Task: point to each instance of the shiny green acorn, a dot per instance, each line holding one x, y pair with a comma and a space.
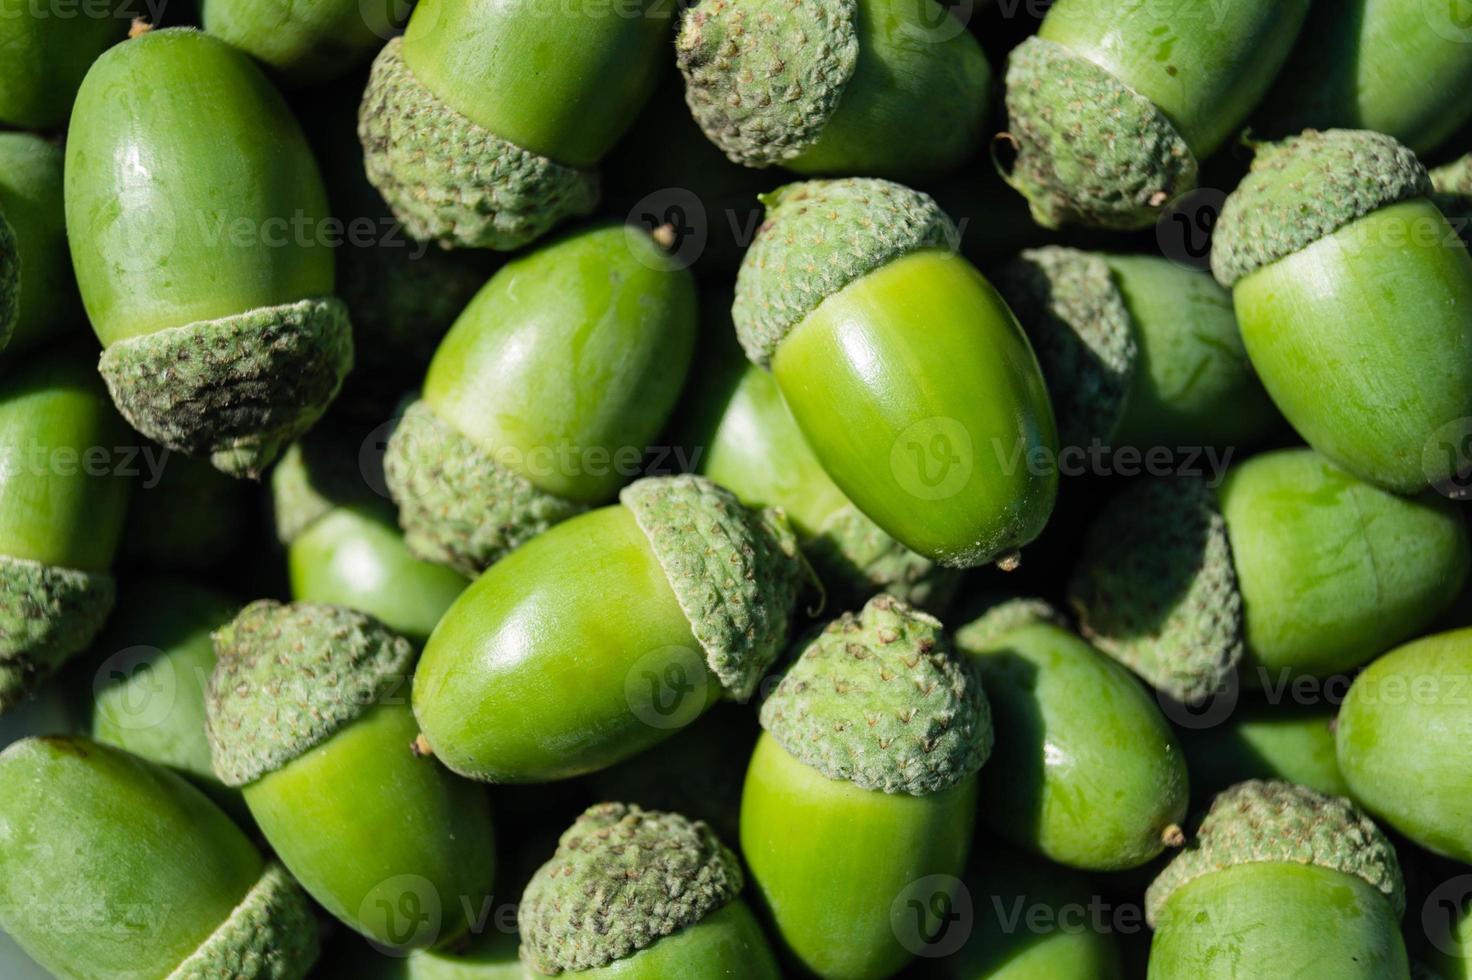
305, 44
38, 297
46, 57
1265, 741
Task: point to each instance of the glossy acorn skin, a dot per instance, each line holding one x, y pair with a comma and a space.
129, 876
831, 861
46, 57
567, 656
563, 82
184, 166
305, 44
1086, 771
1362, 341
581, 345
1271, 741
1402, 737
31, 204
1278, 920
1332, 570
883, 380
377, 834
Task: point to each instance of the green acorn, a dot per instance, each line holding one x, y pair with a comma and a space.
1113, 109
496, 449
880, 339
1281, 570
307, 712
608, 633
186, 170
864, 780
1090, 771
1401, 738
61, 515
1352, 293
305, 44
1136, 350
46, 56
185, 515
38, 297
881, 87
1280, 881
1260, 741
483, 126
113, 866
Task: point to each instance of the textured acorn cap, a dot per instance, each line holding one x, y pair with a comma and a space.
1306, 188
622, 879
763, 77
1277, 822
1075, 315
854, 558
881, 700
1155, 587
271, 935
238, 389
289, 677
9, 281
999, 617
457, 505
451, 180
1090, 150
735, 572
819, 236
47, 615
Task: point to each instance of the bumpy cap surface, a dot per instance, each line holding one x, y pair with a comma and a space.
271, 935
1306, 188
451, 180
47, 615
458, 506
1077, 320
819, 236
237, 390
622, 879
763, 77
289, 677
854, 558
1155, 587
735, 572
9, 281
1277, 822
1000, 617
1090, 150
881, 700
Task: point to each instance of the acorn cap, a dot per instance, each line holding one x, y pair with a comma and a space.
457, 505
1276, 822
881, 700
735, 572
622, 879
763, 77
855, 558
47, 615
819, 236
9, 281
272, 935
1306, 188
289, 677
1155, 587
239, 389
1090, 150
451, 180
1075, 315
999, 617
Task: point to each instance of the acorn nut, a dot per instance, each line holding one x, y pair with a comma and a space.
305, 44
38, 294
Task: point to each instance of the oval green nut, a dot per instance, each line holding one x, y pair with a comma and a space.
885, 88
38, 295
307, 712
484, 125
1352, 294
46, 57
1280, 881
1086, 770
1291, 568
543, 397
305, 44
608, 633
1113, 109
1265, 741
63, 496
636, 894
185, 515
880, 338
864, 780
137, 873
1401, 740
185, 170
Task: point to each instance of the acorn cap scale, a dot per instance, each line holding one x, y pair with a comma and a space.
47, 614
622, 879
270, 935
880, 699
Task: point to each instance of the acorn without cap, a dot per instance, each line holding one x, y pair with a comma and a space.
905, 371
864, 780
38, 294
194, 210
